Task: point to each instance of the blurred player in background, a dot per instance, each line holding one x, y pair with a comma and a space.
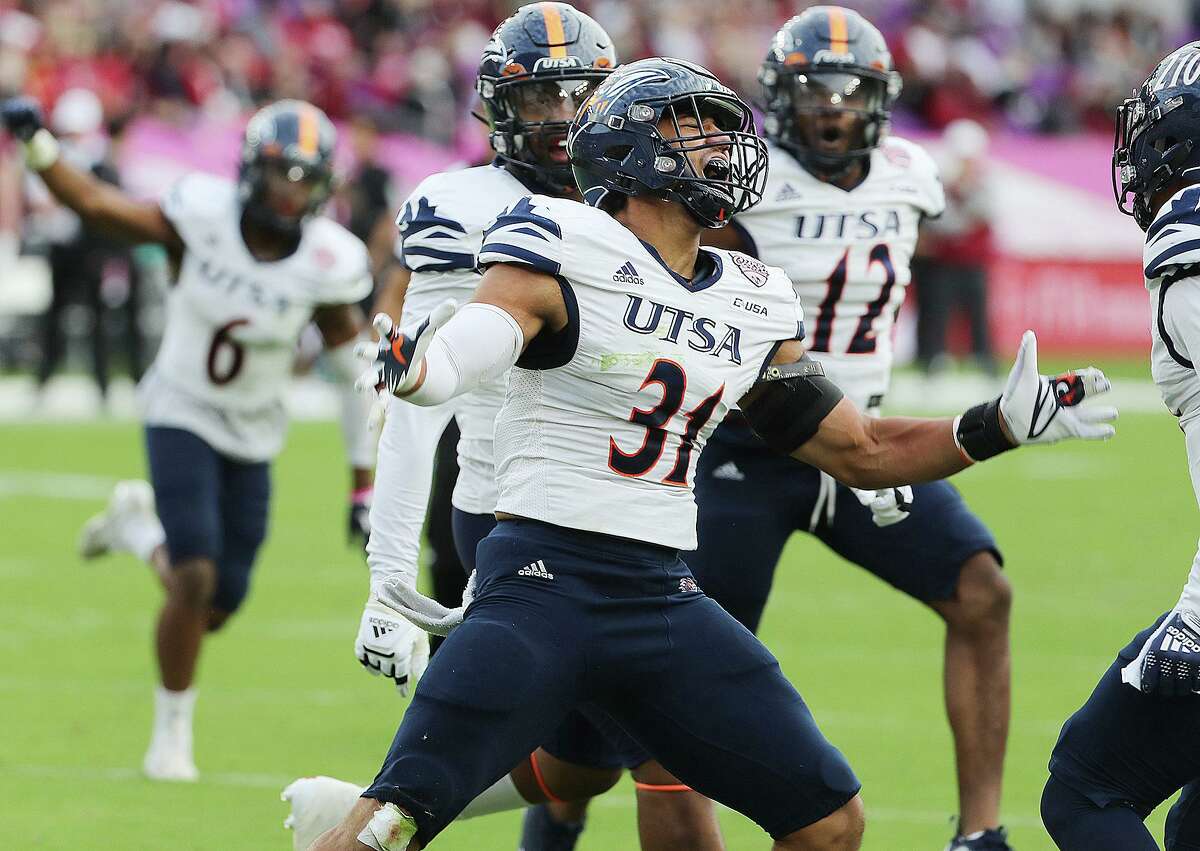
1136, 741
951, 266
581, 595
540, 66
76, 251
254, 264
840, 215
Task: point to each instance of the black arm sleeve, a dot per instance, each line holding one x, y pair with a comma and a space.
788, 403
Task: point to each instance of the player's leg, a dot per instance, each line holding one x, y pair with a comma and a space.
1182, 832
672, 816
714, 706
245, 507
1075, 823
186, 473
944, 556
1118, 758
511, 671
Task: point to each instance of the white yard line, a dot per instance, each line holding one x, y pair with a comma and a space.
52, 485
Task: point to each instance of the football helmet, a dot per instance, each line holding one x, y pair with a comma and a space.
1158, 134
286, 144
616, 145
539, 67
829, 88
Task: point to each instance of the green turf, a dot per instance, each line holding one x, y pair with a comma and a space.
1097, 541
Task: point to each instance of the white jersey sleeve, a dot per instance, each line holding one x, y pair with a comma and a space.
524, 234
925, 182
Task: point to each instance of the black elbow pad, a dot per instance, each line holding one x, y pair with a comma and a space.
789, 402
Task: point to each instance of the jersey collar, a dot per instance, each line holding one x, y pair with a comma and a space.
703, 282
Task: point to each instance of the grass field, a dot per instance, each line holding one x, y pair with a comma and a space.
1097, 541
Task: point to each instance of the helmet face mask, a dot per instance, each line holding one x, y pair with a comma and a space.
829, 88
668, 129
1152, 149
539, 114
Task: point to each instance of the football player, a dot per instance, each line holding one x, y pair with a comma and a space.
627, 344
538, 68
1136, 741
840, 214
254, 263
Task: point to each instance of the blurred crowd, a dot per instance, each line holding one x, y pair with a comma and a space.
1041, 65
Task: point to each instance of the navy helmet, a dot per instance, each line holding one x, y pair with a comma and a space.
295, 140
539, 67
827, 60
616, 145
1158, 134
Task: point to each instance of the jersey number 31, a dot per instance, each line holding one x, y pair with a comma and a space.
673, 380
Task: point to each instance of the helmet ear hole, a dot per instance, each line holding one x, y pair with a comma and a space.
617, 153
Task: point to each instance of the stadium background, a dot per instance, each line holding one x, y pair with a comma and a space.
1097, 539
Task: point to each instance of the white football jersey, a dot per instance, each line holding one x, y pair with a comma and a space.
602, 423
441, 231
233, 322
848, 254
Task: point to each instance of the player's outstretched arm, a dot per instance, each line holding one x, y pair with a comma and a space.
798, 411
452, 353
98, 203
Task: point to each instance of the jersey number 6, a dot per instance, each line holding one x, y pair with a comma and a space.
671, 377
233, 362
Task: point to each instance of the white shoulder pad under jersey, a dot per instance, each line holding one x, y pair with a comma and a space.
603, 421
233, 321
1172, 269
848, 253
441, 229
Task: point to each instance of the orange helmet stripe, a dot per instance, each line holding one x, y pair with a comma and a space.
555, 36
309, 131
838, 35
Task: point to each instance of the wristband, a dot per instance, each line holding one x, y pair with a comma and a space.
361, 496
41, 151
978, 433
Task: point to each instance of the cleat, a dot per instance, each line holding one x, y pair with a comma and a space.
171, 762
983, 840
169, 756
132, 502
318, 804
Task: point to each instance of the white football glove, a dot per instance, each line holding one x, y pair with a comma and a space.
888, 505
395, 361
1169, 661
430, 615
390, 646
1041, 409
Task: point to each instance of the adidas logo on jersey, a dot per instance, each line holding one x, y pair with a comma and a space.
537, 570
628, 275
730, 472
787, 192
688, 585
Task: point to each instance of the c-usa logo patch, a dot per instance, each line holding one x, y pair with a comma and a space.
755, 271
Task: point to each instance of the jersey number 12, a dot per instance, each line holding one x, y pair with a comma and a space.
863, 341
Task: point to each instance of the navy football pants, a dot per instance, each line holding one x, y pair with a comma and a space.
618, 624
